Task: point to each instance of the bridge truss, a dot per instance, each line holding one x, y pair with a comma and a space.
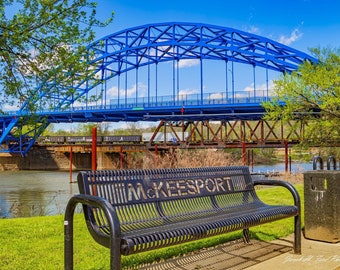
135, 56
228, 134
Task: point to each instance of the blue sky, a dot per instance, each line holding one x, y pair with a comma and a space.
301, 24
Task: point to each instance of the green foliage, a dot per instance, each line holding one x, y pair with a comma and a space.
42, 43
131, 129
313, 94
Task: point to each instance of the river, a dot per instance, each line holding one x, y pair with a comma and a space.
35, 193
41, 193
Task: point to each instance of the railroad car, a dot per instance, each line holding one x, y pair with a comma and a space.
116, 139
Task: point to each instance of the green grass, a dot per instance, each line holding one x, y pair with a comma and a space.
37, 243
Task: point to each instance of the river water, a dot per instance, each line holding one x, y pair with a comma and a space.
41, 193
35, 193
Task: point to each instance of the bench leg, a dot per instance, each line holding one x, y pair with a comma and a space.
297, 234
68, 246
115, 255
115, 260
246, 236
68, 236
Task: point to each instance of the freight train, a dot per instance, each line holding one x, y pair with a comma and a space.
116, 139
111, 139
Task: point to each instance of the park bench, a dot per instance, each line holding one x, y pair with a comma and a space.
131, 211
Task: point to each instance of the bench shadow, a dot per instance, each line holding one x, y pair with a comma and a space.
232, 255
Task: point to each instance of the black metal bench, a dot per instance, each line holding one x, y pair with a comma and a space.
131, 211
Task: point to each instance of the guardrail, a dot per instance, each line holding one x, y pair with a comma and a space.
140, 103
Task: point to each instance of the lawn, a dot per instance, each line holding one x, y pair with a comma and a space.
37, 242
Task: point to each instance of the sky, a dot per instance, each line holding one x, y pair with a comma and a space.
300, 24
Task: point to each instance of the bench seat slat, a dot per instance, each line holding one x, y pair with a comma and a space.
198, 227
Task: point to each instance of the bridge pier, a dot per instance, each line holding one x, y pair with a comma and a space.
71, 158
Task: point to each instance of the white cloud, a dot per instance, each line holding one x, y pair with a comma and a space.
188, 63
216, 96
113, 91
130, 92
252, 29
249, 87
185, 92
294, 36
260, 87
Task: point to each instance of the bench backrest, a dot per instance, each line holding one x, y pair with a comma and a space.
148, 196
124, 187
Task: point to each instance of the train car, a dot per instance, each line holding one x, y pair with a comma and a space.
169, 136
51, 140
121, 139
113, 139
78, 139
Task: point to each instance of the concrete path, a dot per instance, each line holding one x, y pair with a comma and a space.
315, 255
258, 256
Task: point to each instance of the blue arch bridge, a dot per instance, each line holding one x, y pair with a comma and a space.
205, 81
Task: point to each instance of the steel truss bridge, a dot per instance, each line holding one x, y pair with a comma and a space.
142, 74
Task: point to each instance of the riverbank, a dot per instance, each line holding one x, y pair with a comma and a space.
293, 178
51, 158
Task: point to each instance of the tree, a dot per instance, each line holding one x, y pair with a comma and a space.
312, 94
43, 42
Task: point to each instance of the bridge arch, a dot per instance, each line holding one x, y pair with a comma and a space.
151, 44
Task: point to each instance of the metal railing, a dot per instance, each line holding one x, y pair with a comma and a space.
206, 99
318, 163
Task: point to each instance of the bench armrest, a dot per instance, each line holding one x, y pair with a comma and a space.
110, 215
98, 202
290, 187
297, 202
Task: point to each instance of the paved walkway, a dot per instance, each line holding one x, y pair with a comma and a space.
315, 255
259, 256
